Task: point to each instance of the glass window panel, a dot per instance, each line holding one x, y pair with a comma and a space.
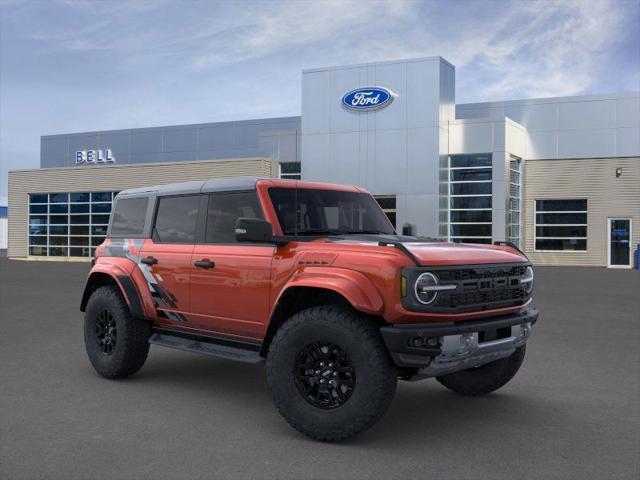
37, 219
100, 196
61, 240
79, 252
471, 216
37, 209
466, 175
561, 231
59, 219
80, 197
392, 218
58, 230
290, 167
35, 240
561, 205
571, 218
38, 251
79, 219
101, 208
477, 160
80, 208
79, 230
561, 244
471, 230
99, 230
128, 217
37, 198
79, 241
93, 252
58, 208
176, 219
58, 197
386, 203
470, 188
104, 219
471, 202
37, 229
471, 240
58, 251
224, 210
95, 241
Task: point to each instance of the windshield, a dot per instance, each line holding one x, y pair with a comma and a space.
327, 212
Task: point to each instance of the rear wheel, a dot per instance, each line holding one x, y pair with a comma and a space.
486, 378
116, 343
329, 373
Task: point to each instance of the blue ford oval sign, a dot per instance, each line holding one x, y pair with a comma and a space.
368, 98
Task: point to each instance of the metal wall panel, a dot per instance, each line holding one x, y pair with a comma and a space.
207, 141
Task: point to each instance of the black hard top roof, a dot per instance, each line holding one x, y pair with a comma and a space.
200, 186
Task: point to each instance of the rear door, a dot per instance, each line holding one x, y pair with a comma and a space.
230, 281
166, 257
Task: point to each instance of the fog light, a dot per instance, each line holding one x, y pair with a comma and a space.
466, 341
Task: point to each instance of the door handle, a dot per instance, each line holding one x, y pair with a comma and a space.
149, 260
205, 263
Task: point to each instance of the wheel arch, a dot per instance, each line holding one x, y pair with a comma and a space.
118, 279
322, 286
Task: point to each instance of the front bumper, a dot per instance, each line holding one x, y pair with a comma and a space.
439, 349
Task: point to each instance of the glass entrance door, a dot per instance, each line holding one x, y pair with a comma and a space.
619, 242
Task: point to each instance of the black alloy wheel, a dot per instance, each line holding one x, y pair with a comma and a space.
106, 332
324, 375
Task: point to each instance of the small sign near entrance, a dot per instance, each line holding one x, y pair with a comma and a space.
368, 98
88, 157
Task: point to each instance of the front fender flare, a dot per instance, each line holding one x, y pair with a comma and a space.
354, 286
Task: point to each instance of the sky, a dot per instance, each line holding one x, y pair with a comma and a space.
74, 66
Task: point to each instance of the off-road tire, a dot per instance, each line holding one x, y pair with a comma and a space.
375, 374
484, 379
132, 343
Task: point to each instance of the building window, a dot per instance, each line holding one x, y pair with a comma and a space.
68, 224
470, 198
291, 170
513, 214
561, 225
388, 205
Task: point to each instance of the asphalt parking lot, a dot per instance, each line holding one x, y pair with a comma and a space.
573, 411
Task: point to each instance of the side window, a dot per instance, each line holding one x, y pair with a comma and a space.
176, 219
224, 209
128, 217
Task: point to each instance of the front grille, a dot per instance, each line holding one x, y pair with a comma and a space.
482, 287
477, 288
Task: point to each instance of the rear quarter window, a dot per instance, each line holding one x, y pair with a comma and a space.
129, 216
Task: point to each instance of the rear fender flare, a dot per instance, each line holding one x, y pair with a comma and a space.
123, 273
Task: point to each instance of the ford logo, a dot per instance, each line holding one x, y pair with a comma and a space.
368, 98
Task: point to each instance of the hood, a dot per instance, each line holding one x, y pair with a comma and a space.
444, 253
435, 252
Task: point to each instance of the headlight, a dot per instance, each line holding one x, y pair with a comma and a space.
527, 280
426, 288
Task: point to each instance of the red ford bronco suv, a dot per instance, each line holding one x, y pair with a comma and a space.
312, 279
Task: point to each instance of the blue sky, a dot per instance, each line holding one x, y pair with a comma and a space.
70, 66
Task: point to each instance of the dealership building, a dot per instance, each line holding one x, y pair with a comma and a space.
559, 177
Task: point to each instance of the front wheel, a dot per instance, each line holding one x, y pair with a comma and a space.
486, 378
329, 373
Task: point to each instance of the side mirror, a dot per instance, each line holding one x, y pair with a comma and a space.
409, 230
253, 230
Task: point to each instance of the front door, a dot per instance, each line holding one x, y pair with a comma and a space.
230, 281
166, 258
619, 244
